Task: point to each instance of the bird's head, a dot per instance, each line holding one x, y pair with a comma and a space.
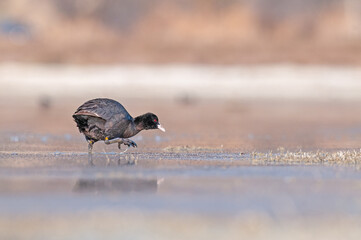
148, 121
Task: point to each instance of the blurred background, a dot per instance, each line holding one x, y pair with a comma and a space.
181, 31
258, 73
228, 79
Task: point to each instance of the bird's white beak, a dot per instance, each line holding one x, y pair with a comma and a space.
161, 128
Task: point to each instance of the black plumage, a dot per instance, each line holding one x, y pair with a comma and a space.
107, 120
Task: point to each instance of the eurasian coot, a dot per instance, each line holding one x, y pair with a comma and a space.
103, 119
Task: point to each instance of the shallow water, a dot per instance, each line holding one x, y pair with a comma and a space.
277, 190
190, 183
156, 197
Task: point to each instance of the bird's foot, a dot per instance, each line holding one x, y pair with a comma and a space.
120, 141
129, 143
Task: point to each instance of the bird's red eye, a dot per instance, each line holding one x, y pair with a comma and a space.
155, 120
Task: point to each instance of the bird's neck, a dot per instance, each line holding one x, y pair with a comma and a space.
139, 124
131, 130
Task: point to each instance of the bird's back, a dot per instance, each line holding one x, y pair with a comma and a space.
102, 107
102, 117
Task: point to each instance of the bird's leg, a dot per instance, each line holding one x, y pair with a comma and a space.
90, 152
130, 143
121, 153
120, 141
121, 156
114, 140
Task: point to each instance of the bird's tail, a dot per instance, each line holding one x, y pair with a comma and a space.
81, 122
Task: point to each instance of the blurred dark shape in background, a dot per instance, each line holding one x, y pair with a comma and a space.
186, 99
190, 31
45, 102
9, 27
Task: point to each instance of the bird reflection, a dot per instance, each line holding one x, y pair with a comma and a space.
117, 185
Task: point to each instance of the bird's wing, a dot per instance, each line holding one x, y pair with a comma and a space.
103, 108
117, 125
86, 113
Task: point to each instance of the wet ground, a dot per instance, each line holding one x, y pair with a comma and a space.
226, 168
210, 176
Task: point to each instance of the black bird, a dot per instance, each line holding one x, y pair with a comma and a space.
103, 119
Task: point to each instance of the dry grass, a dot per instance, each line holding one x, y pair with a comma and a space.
187, 148
283, 157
